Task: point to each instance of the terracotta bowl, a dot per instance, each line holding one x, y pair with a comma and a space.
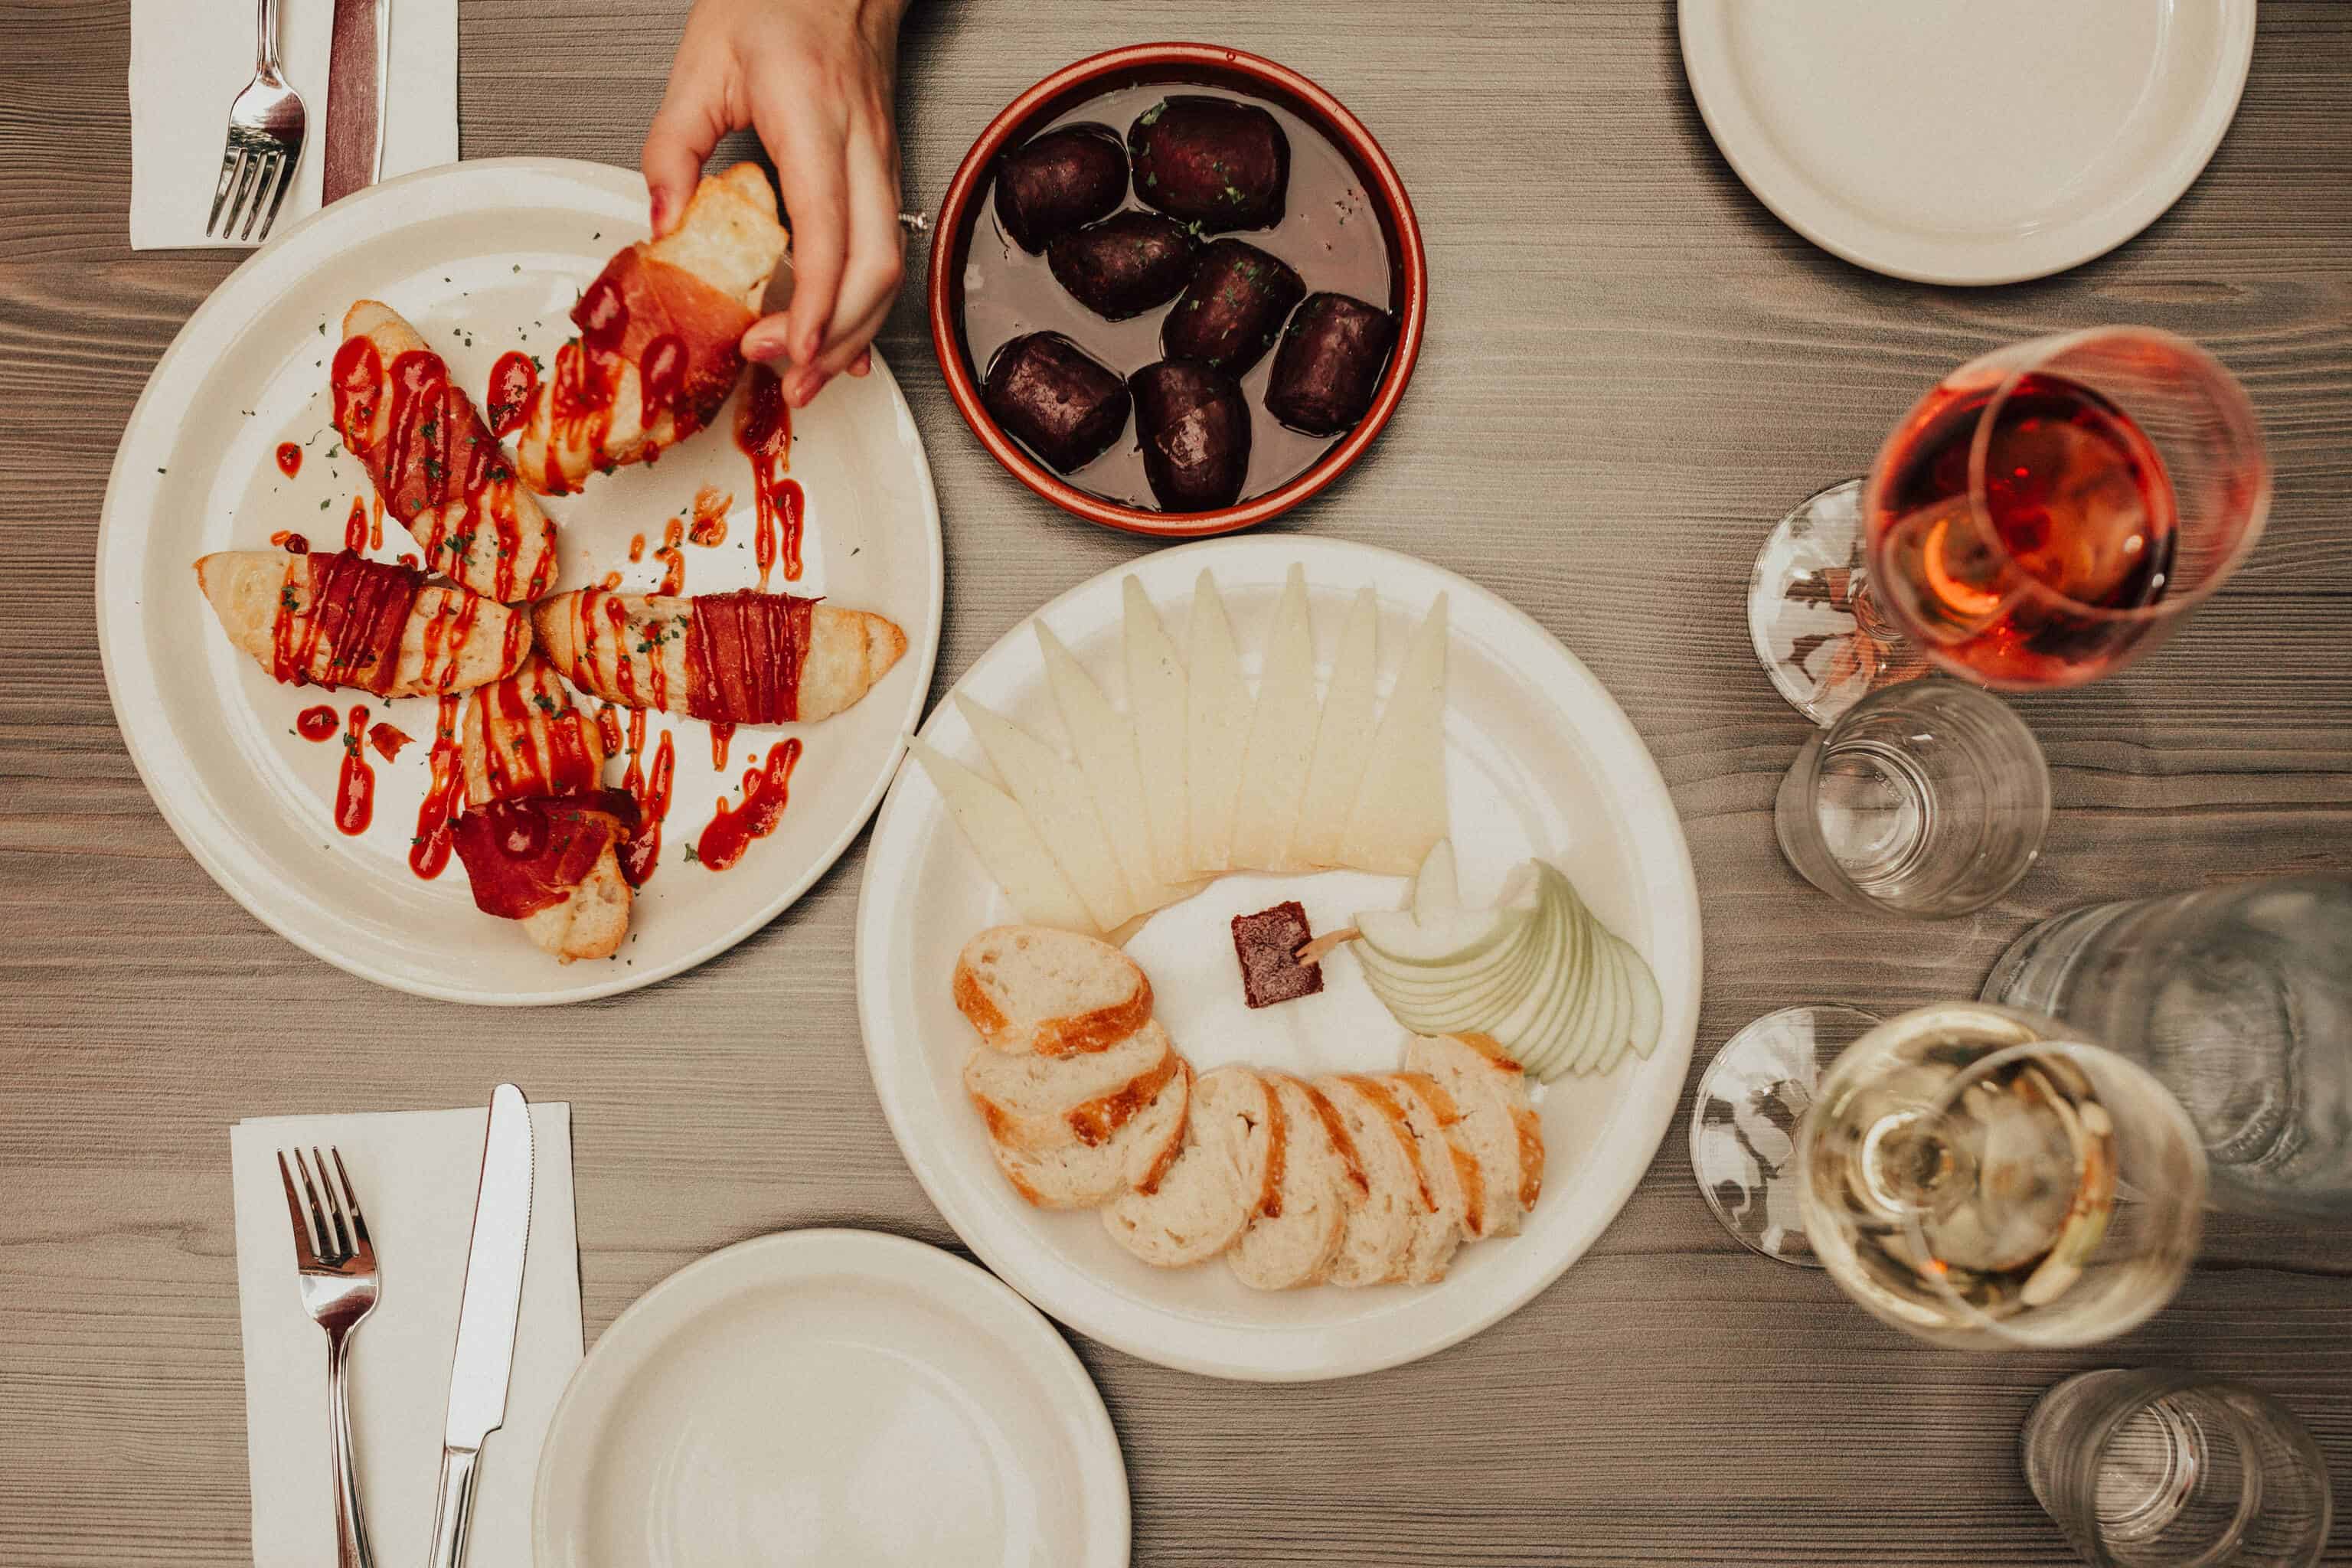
1200, 64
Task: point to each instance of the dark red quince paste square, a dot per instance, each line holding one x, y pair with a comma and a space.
1267, 943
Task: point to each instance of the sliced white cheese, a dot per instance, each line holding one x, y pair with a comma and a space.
1104, 739
1216, 729
1281, 738
1399, 807
1343, 739
1155, 701
999, 832
1053, 793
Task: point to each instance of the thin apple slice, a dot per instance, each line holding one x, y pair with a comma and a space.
1053, 793
1474, 1009
1343, 737
1399, 807
1445, 943
1649, 1008
1216, 729
1538, 1042
1437, 885
1156, 703
1281, 737
1603, 1030
1104, 741
999, 833
1564, 972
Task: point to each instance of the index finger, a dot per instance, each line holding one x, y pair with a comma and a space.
810, 175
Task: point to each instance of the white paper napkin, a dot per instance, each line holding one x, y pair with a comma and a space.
417, 1174
190, 59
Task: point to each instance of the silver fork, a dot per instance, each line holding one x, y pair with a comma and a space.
265, 142
339, 1281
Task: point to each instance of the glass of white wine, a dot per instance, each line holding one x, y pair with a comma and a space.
1972, 1175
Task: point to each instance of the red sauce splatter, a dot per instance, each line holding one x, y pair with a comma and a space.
709, 526
292, 543
608, 728
637, 547
355, 785
376, 523
651, 789
763, 430
386, 740
317, 723
290, 458
722, 732
672, 556
513, 381
445, 641
611, 582
355, 526
408, 558
428, 852
766, 792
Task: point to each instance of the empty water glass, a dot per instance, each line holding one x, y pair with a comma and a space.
2164, 1470
1927, 799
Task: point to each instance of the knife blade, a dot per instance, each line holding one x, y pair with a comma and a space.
358, 57
487, 1315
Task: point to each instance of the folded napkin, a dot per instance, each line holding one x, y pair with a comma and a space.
417, 1174
190, 59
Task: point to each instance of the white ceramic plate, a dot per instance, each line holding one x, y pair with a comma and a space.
482, 256
830, 1397
1539, 761
1968, 141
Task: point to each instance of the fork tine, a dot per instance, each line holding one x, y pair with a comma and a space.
249, 168
334, 1207
352, 1197
232, 160
317, 1215
304, 1257
265, 177
285, 167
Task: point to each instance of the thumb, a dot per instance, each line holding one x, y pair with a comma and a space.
689, 124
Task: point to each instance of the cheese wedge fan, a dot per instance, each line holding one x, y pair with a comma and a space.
1400, 808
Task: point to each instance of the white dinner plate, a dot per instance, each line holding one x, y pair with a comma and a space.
833, 1398
483, 257
1968, 141
1540, 761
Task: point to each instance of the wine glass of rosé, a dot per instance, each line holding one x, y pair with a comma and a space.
2046, 514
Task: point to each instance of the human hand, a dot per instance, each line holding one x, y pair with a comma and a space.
816, 79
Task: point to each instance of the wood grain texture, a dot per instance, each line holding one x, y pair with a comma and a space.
1631, 369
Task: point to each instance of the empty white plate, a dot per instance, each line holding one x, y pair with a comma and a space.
1968, 141
833, 1397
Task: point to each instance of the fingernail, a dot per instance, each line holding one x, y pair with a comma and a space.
805, 386
762, 345
862, 364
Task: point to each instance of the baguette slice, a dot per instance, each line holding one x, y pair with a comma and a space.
1219, 1182
1053, 992
1501, 1128
1379, 1230
1082, 1175
1450, 1169
1037, 1103
453, 640
1316, 1181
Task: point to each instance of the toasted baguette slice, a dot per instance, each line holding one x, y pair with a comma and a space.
1037, 1103
639, 660
1294, 1238
1379, 1230
591, 922
1058, 994
1449, 1167
1500, 1125
1218, 1182
1083, 1177
453, 641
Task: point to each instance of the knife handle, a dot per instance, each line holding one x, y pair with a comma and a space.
453, 1511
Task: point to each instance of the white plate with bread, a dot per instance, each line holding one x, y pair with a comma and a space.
1076, 976
242, 453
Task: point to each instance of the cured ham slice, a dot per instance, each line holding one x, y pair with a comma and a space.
744, 658
344, 620
660, 329
440, 472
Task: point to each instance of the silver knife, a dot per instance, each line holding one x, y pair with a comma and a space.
486, 1318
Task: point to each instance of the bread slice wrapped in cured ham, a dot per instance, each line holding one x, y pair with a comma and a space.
440, 472
343, 620
660, 330
744, 658
540, 837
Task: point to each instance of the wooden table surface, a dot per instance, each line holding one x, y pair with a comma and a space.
1631, 369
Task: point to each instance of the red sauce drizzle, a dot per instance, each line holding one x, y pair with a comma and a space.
319, 723
446, 636
612, 581
763, 430
743, 656
642, 855
661, 372
387, 741
408, 558
722, 733
428, 852
513, 381
550, 756
608, 728
637, 547
766, 792
355, 526
358, 606
355, 785
672, 555
292, 543
290, 458
708, 529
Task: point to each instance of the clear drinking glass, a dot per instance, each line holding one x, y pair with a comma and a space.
1928, 799
2043, 514
2163, 1469
2239, 999
1975, 1177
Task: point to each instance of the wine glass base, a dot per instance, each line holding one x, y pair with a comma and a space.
1743, 1128
1815, 632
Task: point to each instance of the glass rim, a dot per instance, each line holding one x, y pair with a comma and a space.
2036, 352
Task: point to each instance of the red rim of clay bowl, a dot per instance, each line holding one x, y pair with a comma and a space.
1207, 65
